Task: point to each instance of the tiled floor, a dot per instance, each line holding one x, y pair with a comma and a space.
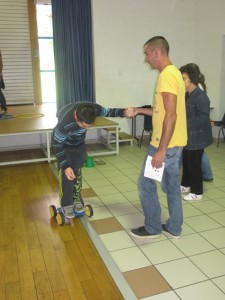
190, 268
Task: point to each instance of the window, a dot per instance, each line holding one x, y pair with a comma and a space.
46, 53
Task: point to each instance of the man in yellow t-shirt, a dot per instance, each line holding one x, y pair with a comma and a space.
168, 138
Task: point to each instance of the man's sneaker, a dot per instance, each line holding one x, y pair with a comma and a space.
142, 233
169, 234
78, 207
68, 211
184, 190
192, 197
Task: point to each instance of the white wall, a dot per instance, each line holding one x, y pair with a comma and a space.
194, 29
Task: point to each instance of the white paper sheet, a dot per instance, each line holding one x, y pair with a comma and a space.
151, 172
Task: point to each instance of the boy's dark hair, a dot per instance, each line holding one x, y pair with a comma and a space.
86, 113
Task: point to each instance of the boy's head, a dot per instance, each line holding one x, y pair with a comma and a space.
85, 115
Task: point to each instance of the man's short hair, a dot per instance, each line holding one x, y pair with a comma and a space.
86, 113
159, 42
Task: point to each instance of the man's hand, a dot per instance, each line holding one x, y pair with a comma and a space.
130, 112
69, 174
158, 159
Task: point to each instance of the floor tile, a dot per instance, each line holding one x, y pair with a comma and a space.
94, 201
130, 259
208, 206
109, 174
202, 223
215, 237
193, 244
138, 205
221, 201
106, 225
117, 240
186, 229
101, 213
162, 251
87, 193
132, 196
121, 209
179, 273
131, 220
214, 193
220, 282
185, 264
164, 296
127, 187
152, 284
98, 182
105, 190
211, 263
190, 211
113, 199
131, 170
219, 217
119, 179
218, 182
201, 291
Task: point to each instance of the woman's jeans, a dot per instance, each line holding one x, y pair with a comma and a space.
171, 186
206, 168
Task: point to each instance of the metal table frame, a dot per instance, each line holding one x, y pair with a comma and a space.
99, 124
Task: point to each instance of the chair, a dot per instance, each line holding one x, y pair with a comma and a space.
146, 128
221, 125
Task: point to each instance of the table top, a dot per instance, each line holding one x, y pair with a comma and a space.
38, 118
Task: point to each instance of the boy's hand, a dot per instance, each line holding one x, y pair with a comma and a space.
69, 174
130, 112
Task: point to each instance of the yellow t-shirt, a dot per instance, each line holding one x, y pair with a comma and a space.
170, 81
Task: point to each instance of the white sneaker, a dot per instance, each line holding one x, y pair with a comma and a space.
192, 197
184, 189
78, 207
68, 211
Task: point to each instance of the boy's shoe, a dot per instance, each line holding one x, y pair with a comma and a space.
68, 211
169, 234
78, 207
184, 189
142, 233
4, 111
192, 197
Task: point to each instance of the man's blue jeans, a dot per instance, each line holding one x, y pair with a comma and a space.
171, 186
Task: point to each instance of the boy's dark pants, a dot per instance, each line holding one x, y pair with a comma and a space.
70, 190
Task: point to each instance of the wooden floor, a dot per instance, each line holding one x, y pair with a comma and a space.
38, 258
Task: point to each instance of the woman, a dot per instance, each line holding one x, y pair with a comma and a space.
199, 131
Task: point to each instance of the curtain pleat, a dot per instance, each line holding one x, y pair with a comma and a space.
73, 50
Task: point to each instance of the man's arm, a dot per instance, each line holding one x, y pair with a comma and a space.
170, 103
131, 112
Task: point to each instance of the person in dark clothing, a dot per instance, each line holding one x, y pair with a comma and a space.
199, 132
219, 123
2, 86
68, 142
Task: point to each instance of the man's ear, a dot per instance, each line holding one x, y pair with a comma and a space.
156, 53
75, 116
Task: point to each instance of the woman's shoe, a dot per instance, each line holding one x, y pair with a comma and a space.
184, 189
192, 197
